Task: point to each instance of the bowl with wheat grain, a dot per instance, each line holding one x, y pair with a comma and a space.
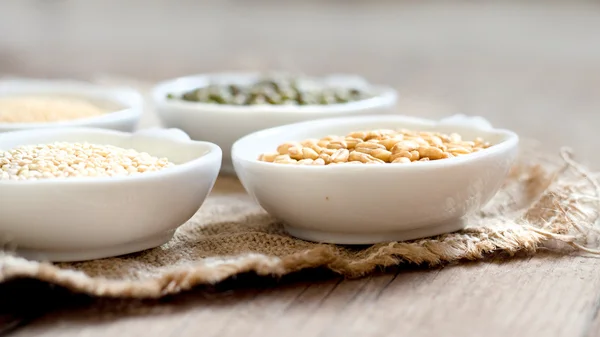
369, 179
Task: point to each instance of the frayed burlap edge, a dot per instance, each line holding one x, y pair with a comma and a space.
575, 203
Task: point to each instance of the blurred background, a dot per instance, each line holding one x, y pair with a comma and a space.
532, 66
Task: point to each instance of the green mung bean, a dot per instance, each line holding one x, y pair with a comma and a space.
274, 91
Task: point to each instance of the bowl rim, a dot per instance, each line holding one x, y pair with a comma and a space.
212, 155
130, 100
384, 96
510, 141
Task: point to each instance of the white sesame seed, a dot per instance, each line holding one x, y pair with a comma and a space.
62, 159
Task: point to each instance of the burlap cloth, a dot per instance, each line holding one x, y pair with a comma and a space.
546, 200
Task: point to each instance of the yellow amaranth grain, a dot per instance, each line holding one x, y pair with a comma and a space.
44, 109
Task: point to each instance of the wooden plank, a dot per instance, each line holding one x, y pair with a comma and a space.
593, 328
544, 295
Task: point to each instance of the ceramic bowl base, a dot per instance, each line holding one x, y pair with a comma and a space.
97, 253
376, 237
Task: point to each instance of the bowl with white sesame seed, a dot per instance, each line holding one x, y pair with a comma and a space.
71, 194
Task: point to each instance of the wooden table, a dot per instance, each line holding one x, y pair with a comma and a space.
532, 67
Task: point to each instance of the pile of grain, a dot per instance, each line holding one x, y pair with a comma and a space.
375, 147
65, 160
44, 109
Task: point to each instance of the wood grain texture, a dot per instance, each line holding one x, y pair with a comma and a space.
529, 66
593, 329
540, 296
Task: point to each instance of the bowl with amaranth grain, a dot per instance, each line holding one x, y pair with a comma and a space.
38, 104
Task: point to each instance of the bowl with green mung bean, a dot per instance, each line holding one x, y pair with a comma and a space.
223, 107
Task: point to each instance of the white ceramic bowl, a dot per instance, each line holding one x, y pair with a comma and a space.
73, 219
224, 124
365, 204
127, 102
